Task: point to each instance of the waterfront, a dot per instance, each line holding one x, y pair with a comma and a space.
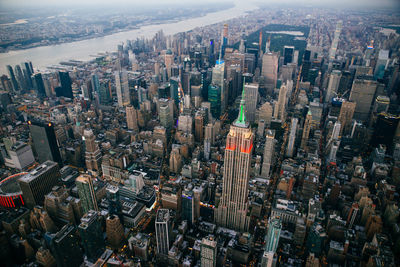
44, 56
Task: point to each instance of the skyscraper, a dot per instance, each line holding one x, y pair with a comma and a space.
306, 130
166, 112
333, 85
122, 88
38, 84
92, 153
44, 141
114, 231
66, 88
214, 97
269, 149
64, 245
168, 60
162, 231
279, 111
274, 232
233, 206
86, 193
270, 69
13, 79
346, 116
38, 182
288, 54
91, 235
131, 118
208, 252
292, 137
251, 94
363, 92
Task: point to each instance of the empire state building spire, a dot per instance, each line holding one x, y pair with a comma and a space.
241, 119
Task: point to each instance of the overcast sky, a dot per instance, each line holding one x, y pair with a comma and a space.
338, 3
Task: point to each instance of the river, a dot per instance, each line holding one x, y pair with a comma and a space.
81, 50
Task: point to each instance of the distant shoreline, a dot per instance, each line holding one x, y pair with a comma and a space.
153, 21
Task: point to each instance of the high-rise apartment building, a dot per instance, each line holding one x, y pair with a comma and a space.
232, 209
162, 231
44, 141
92, 153
38, 182
86, 192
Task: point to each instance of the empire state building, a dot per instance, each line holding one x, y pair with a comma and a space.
233, 207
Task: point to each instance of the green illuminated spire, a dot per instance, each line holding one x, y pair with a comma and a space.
242, 118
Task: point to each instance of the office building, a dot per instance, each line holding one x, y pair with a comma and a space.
163, 231
175, 160
169, 60
346, 116
362, 93
270, 69
39, 85
333, 85
166, 113
273, 234
91, 235
131, 118
280, 106
208, 252
122, 88
65, 247
214, 97
114, 231
92, 153
292, 137
13, 79
269, 150
381, 64
251, 98
44, 141
306, 130
38, 182
188, 206
21, 156
66, 87
288, 54
185, 123
86, 192
232, 209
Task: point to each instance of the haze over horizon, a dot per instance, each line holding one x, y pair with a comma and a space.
317, 3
